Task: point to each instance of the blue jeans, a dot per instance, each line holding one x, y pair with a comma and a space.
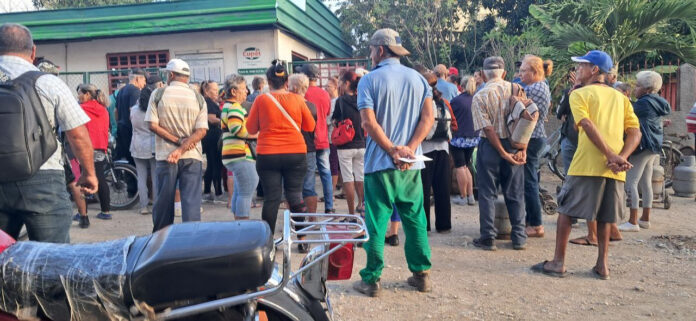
531, 181
308, 187
491, 171
567, 153
41, 203
325, 176
245, 180
188, 173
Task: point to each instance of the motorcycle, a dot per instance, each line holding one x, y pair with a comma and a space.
189, 271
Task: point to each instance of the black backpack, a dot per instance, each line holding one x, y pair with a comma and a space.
28, 139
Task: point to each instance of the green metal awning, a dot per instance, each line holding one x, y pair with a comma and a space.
316, 25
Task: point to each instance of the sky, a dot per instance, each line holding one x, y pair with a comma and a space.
15, 5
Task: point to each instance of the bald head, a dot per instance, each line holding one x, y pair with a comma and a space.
441, 71
15, 39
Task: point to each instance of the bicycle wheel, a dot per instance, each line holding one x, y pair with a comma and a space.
123, 186
557, 167
687, 151
669, 159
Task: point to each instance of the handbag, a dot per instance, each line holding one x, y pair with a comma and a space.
344, 132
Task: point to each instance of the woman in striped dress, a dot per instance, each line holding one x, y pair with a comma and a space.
236, 153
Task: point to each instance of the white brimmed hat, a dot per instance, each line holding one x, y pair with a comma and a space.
179, 66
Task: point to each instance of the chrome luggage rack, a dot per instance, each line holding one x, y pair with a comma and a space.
313, 225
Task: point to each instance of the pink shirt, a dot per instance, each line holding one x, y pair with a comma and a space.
321, 99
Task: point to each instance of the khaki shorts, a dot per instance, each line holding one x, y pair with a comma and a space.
352, 164
592, 198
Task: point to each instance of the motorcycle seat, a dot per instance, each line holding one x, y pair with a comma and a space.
201, 260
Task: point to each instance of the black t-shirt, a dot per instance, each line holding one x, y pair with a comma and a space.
568, 127
214, 130
347, 108
127, 97
309, 136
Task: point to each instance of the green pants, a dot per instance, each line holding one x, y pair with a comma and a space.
405, 191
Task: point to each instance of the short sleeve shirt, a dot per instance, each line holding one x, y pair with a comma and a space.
488, 107
540, 94
448, 90
180, 114
396, 95
57, 99
611, 112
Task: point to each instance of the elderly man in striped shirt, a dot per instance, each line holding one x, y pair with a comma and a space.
497, 162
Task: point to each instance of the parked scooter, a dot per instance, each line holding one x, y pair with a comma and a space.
190, 271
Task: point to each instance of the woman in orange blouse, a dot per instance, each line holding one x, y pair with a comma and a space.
278, 117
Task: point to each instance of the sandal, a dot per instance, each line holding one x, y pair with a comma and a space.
583, 241
541, 268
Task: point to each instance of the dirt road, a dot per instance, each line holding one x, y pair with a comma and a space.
653, 272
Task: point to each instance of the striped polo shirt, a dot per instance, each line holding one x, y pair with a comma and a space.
180, 114
233, 123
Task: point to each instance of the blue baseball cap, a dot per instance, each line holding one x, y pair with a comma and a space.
598, 58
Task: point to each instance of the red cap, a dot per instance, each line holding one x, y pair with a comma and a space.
454, 71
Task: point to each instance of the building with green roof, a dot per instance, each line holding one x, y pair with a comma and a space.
216, 37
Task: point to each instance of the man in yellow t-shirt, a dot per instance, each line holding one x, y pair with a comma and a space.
594, 188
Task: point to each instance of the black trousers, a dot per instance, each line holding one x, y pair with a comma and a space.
438, 176
124, 134
213, 170
278, 172
103, 192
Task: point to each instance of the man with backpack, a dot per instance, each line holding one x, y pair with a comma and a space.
178, 115
32, 182
497, 160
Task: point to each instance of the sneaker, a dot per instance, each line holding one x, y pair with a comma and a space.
303, 248
144, 211
330, 211
458, 200
84, 222
392, 240
628, 227
76, 218
222, 198
207, 197
487, 244
644, 224
420, 281
371, 290
519, 247
104, 216
471, 200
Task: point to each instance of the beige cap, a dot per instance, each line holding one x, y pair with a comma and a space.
390, 38
179, 66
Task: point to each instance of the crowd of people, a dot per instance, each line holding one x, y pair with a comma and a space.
366, 130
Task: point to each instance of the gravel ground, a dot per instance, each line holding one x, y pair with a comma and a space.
653, 272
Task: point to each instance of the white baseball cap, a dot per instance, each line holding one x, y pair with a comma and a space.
179, 66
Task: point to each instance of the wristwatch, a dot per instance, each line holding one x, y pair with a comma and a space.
180, 141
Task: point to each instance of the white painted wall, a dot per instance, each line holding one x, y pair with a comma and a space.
287, 44
91, 55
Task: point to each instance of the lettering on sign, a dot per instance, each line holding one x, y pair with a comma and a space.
251, 53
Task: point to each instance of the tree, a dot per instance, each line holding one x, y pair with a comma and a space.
622, 28
60, 4
427, 28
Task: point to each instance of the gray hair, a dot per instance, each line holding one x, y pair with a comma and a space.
258, 83
493, 73
622, 86
233, 81
298, 83
649, 80
15, 38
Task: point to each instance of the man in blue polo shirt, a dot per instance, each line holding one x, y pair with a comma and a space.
395, 104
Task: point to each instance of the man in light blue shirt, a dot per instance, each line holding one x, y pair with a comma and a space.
448, 89
395, 104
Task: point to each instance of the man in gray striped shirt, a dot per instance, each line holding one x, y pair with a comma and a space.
179, 117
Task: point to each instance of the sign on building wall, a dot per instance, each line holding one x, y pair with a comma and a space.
253, 58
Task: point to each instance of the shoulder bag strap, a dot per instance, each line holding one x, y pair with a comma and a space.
284, 112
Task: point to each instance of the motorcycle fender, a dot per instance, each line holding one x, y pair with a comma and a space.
293, 303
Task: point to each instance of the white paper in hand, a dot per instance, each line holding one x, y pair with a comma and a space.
418, 158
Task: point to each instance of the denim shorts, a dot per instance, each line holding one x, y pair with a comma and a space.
310, 180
